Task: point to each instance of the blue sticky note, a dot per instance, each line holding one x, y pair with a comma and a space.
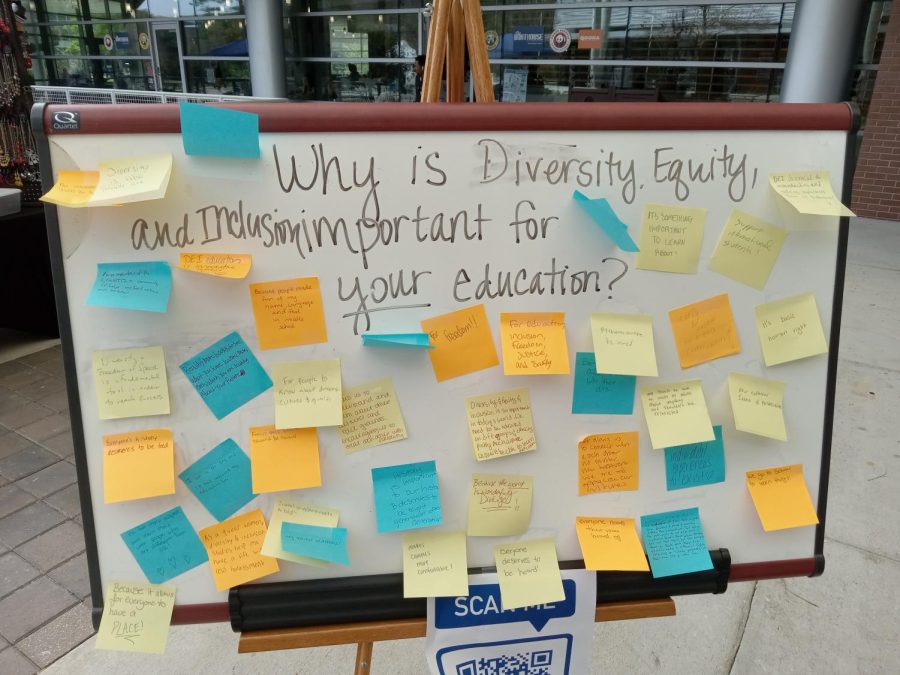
226, 375
218, 132
406, 496
145, 286
321, 543
602, 213
413, 340
696, 463
165, 546
600, 393
221, 480
675, 543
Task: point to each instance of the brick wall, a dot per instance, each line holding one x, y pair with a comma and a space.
876, 183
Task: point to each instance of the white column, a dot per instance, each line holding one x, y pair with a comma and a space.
265, 44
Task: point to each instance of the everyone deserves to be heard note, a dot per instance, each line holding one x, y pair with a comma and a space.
623, 344
528, 572
308, 394
499, 505
233, 547
136, 617
781, 497
671, 238
371, 416
143, 286
790, 329
696, 464
809, 192
534, 343
288, 313
138, 464
406, 496
757, 405
131, 383
286, 511
225, 265
747, 249
165, 546
675, 543
220, 480
676, 414
434, 565
462, 341
608, 463
600, 393
610, 544
500, 424
704, 331
284, 459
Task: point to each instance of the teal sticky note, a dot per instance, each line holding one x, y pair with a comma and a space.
221, 479
218, 132
406, 496
602, 213
675, 543
600, 393
409, 340
165, 546
322, 543
145, 286
226, 375
696, 463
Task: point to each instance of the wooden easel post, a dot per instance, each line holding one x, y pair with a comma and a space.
456, 25
363, 658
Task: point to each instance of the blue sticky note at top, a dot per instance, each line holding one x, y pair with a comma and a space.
145, 286
218, 132
600, 393
406, 496
221, 480
675, 543
321, 543
165, 546
602, 213
696, 463
226, 375
409, 340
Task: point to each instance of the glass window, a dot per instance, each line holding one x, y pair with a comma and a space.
58, 10
302, 6
101, 73
215, 37
231, 78
188, 8
119, 39
355, 36
351, 82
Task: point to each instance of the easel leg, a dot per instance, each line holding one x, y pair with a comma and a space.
363, 658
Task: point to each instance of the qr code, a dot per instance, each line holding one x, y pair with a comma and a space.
527, 663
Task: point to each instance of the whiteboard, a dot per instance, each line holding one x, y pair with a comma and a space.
204, 309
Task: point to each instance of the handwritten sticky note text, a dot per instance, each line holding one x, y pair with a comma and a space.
286, 511
434, 565
136, 617
131, 382
225, 265
500, 424
704, 331
220, 479
406, 496
72, 188
165, 546
671, 238
781, 497
528, 572
534, 343
328, 544
233, 547
138, 464
809, 192
308, 394
747, 249
142, 286
676, 414
610, 544
608, 463
696, 464
675, 543
132, 179
371, 416
288, 313
623, 344
600, 393
499, 505
462, 341
790, 329
284, 459
758, 405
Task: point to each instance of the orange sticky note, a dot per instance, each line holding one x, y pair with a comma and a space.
284, 459
288, 312
463, 342
781, 497
704, 331
227, 265
138, 464
73, 188
233, 547
608, 463
534, 343
610, 544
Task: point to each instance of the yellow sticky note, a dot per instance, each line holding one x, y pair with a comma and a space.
671, 238
500, 424
704, 331
131, 382
308, 394
286, 511
138, 464
790, 329
610, 544
288, 313
72, 188
676, 414
781, 497
809, 192
623, 344
132, 179
136, 617
434, 565
371, 416
284, 459
227, 265
234, 547
608, 463
499, 505
462, 341
747, 250
529, 573
757, 405
534, 343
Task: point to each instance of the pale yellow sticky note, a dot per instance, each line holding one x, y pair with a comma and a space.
758, 405
308, 394
809, 192
131, 382
671, 238
623, 344
462, 341
499, 505
676, 414
72, 188
371, 416
286, 511
790, 329
136, 617
234, 547
608, 463
132, 179
284, 459
781, 497
288, 313
138, 464
434, 565
747, 250
534, 343
610, 544
529, 573
704, 331
500, 424
227, 265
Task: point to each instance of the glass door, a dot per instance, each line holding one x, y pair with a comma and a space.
167, 57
